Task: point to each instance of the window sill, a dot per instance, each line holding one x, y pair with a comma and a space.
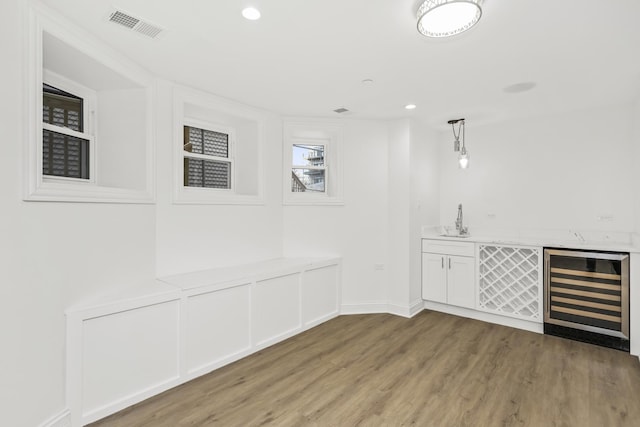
83, 193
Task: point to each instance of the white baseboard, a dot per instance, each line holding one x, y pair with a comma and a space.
63, 419
384, 307
365, 308
526, 325
129, 400
416, 307
404, 310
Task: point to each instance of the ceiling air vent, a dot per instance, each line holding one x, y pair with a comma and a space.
135, 24
340, 110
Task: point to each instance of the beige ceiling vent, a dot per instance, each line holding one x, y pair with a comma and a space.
135, 24
341, 110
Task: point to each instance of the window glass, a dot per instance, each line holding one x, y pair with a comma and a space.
63, 155
308, 180
312, 155
207, 169
61, 108
207, 173
308, 168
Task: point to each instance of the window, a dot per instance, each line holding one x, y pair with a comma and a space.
218, 148
207, 160
67, 147
308, 172
90, 118
312, 164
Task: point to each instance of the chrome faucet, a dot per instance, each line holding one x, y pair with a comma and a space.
459, 227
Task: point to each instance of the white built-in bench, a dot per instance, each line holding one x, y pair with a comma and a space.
123, 349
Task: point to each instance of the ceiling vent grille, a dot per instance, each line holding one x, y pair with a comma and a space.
135, 24
340, 110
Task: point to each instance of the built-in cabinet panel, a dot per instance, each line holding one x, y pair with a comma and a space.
505, 280
434, 277
448, 276
318, 299
183, 326
217, 327
461, 281
126, 352
276, 308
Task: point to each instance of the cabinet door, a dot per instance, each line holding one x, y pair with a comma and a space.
461, 281
434, 277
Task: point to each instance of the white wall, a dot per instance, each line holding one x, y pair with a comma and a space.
557, 172
358, 230
123, 145
424, 208
195, 237
52, 256
399, 152
636, 170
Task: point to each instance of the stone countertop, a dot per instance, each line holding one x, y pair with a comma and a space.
599, 241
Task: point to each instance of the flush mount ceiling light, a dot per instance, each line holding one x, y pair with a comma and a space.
444, 18
410, 106
458, 145
251, 13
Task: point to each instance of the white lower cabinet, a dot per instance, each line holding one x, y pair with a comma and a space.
448, 273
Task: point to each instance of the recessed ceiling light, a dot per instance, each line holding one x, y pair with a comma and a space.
519, 87
251, 13
410, 106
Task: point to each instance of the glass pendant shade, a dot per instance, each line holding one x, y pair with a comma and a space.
463, 158
444, 18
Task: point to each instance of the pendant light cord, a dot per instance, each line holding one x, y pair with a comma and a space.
460, 127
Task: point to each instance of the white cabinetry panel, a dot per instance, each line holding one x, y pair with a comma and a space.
448, 272
319, 294
128, 351
434, 277
276, 308
217, 327
461, 281
157, 335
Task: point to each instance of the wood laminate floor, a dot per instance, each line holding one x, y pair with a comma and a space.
432, 370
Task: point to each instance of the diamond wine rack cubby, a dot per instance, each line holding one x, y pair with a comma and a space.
511, 281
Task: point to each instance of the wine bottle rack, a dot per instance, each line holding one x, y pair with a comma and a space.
510, 281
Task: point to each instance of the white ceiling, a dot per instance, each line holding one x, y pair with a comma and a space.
309, 57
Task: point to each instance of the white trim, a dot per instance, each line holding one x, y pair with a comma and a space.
365, 308
39, 20
63, 419
194, 195
66, 131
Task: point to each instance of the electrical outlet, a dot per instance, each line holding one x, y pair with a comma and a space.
378, 267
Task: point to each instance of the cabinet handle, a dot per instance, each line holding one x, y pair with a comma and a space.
449, 263
442, 261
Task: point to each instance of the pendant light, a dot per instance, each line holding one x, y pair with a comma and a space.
458, 143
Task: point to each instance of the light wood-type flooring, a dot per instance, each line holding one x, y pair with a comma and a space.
383, 370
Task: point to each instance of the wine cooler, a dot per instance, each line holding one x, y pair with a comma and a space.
587, 296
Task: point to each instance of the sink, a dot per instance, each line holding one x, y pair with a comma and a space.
459, 236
